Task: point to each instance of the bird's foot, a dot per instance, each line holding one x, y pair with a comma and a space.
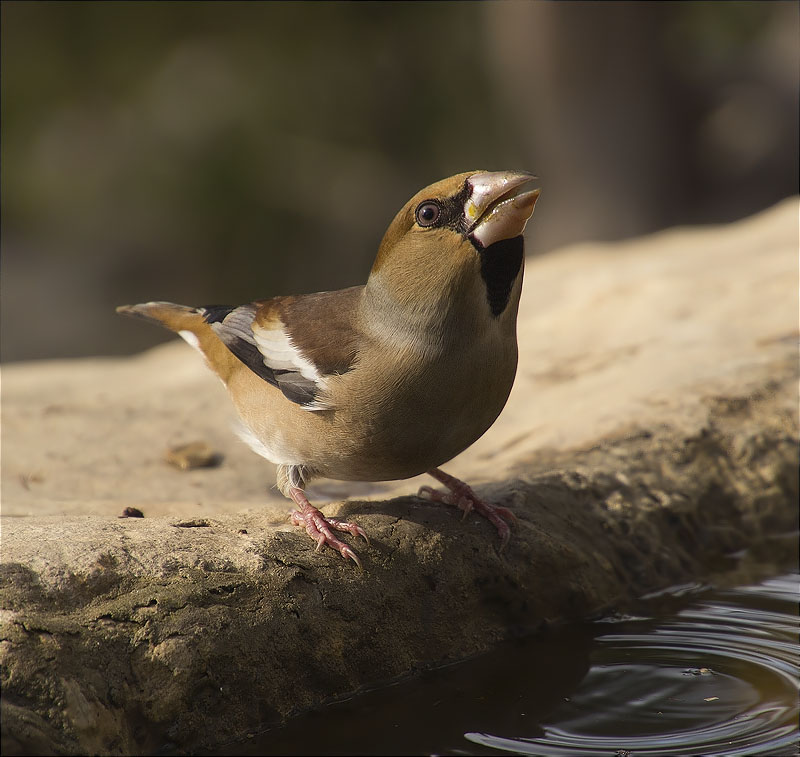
462, 496
318, 527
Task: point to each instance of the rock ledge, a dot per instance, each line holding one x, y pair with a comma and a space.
202, 622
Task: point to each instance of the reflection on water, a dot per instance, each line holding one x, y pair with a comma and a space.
720, 677
716, 672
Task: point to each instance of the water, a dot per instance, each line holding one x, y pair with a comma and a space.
714, 672
719, 677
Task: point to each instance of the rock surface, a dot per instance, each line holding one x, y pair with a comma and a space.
652, 430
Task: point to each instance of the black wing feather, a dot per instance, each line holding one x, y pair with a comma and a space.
234, 328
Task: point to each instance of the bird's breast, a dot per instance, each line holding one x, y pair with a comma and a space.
415, 414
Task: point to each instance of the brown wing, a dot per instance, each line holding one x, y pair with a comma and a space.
293, 342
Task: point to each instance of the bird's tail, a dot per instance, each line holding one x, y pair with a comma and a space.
175, 317
190, 324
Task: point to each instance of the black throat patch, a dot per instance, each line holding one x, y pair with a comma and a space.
500, 264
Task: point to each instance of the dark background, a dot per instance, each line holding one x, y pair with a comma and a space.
221, 152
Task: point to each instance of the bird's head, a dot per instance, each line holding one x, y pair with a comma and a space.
457, 243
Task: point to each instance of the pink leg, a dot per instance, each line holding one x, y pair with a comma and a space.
463, 497
318, 527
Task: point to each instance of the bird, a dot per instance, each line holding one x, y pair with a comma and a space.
389, 379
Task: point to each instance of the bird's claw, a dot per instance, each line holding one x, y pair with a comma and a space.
318, 527
468, 501
351, 528
346, 552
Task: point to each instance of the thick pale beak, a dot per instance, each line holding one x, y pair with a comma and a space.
499, 205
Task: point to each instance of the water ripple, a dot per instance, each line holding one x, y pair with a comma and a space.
718, 678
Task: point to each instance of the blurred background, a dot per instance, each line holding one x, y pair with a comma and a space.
222, 152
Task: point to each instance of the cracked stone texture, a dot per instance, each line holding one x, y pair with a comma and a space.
652, 432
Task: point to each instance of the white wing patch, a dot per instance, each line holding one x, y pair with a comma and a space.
280, 353
270, 353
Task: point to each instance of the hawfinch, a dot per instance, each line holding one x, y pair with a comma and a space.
390, 379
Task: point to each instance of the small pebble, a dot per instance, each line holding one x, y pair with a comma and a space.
192, 455
131, 512
26, 479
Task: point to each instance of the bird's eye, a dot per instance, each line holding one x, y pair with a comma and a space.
428, 213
